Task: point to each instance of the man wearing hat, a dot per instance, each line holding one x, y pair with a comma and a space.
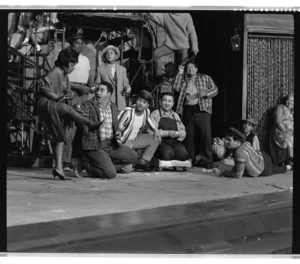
248, 161
80, 81
115, 74
248, 125
134, 123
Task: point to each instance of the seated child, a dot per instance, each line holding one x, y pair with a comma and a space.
248, 127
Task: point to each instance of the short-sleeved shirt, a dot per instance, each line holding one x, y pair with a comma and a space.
81, 71
254, 161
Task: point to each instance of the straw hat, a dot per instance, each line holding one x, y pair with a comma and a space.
115, 49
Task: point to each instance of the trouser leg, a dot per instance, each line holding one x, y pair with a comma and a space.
99, 164
202, 121
270, 168
188, 121
182, 56
157, 54
123, 156
180, 152
147, 142
164, 152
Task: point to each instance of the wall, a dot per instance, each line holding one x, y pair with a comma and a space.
216, 58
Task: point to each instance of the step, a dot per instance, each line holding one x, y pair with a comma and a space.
235, 225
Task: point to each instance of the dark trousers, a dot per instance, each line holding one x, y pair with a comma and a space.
193, 118
163, 51
171, 151
104, 163
270, 168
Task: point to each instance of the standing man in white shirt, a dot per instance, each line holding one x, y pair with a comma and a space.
81, 81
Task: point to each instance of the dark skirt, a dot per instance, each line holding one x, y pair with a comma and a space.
278, 154
49, 113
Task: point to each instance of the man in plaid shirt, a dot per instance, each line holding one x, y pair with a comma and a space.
195, 106
102, 153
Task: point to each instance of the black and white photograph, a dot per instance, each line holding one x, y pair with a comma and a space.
149, 131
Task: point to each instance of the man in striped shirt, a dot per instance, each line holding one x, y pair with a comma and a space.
248, 161
195, 106
135, 123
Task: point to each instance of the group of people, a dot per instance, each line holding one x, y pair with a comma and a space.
112, 136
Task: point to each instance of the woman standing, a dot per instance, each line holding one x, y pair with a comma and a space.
55, 93
282, 135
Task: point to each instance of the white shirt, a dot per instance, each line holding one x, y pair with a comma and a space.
112, 68
190, 91
138, 122
81, 71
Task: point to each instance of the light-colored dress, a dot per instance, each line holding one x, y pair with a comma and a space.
281, 143
284, 139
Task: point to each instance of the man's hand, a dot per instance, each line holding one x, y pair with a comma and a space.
181, 69
202, 94
173, 134
126, 91
195, 52
157, 134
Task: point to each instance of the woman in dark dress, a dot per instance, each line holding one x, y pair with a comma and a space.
53, 107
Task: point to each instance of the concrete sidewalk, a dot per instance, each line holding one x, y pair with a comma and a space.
34, 197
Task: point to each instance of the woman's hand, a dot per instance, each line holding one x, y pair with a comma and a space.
118, 134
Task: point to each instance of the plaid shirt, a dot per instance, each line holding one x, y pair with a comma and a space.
91, 138
203, 83
106, 131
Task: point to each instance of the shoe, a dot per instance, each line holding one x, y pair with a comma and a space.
123, 171
55, 173
67, 166
142, 167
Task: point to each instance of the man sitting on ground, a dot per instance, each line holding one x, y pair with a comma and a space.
102, 154
135, 123
172, 131
248, 161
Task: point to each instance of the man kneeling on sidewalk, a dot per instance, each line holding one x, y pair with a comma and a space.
102, 154
135, 123
248, 161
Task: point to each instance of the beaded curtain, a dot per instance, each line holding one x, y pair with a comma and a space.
270, 76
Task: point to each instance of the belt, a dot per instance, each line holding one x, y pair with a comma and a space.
195, 108
192, 106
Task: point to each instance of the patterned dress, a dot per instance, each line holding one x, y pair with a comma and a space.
280, 142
